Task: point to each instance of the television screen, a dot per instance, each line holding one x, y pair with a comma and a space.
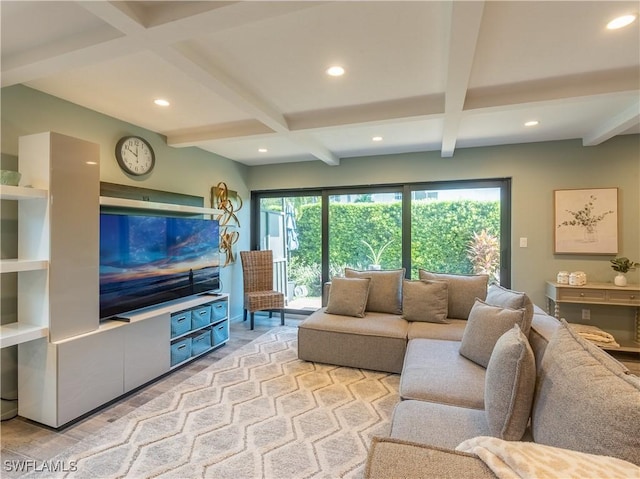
146, 260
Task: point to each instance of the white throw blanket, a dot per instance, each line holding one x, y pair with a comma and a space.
529, 460
594, 334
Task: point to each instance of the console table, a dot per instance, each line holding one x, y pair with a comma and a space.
598, 293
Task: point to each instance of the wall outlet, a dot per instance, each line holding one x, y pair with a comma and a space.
586, 314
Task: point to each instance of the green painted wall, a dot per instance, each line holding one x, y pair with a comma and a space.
536, 169
182, 170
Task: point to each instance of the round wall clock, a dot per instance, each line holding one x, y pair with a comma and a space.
135, 155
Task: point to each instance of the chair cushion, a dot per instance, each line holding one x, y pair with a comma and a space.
507, 298
585, 400
425, 300
485, 325
509, 385
261, 300
385, 295
463, 291
348, 296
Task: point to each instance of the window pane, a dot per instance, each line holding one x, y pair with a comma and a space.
365, 231
456, 231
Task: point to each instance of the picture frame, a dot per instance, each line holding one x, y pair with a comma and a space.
586, 221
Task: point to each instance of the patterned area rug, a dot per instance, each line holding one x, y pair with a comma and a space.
258, 413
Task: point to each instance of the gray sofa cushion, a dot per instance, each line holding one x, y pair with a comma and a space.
394, 458
385, 295
452, 331
373, 324
585, 400
425, 300
463, 290
509, 385
435, 371
435, 424
543, 327
378, 341
507, 298
486, 324
348, 296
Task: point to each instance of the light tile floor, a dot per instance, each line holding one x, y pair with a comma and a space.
24, 440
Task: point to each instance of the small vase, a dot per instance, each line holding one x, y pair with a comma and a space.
620, 280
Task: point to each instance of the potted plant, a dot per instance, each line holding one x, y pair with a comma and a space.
376, 256
622, 265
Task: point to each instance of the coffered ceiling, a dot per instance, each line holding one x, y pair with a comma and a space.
248, 76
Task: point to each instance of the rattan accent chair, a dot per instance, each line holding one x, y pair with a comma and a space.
259, 295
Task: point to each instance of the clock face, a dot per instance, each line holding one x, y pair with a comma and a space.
135, 155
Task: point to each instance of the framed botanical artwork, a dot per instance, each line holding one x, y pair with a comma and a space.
586, 221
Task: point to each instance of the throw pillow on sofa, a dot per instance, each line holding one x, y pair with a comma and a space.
385, 295
348, 296
425, 300
463, 290
507, 298
485, 325
509, 385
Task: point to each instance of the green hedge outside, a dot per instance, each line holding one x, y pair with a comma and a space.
441, 232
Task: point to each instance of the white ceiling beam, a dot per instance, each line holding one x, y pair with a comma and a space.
315, 149
613, 126
466, 18
161, 38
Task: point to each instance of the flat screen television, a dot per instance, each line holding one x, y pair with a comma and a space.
147, 260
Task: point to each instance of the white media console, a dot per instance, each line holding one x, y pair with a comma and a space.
69, 362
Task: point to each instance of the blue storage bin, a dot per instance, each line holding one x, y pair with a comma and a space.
220, 333
219, 310
180, 323
180, 350
200, 342
200, 317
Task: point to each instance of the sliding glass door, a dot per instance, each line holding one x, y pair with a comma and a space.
365, 230
456, 230
458, 227
290, 227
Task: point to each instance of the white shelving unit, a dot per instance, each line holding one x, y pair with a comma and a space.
31, 265
57, 332
70, 363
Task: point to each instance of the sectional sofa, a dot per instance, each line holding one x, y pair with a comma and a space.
487, 379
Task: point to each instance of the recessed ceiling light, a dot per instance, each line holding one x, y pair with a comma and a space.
161, 102
532, 123
620, 22
262, 150
335, 71
91, 162
376, 138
